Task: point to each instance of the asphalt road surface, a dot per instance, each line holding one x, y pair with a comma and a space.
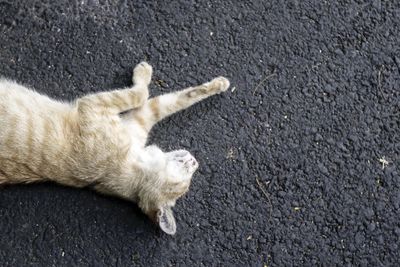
299, 159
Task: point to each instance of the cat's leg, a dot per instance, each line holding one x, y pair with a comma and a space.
142, 74
117, 101
158, 108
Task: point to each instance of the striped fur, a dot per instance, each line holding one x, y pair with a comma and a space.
90, 143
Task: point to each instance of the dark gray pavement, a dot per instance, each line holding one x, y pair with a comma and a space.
314, 113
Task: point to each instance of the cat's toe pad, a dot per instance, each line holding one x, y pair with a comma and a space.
142, 73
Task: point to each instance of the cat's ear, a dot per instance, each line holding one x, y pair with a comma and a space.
166, 220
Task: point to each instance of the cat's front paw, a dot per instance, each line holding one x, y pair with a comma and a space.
219, 84
142, 73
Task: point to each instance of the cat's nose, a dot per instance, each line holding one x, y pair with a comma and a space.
195, 164
191, 162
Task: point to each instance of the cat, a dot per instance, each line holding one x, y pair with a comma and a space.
99, 141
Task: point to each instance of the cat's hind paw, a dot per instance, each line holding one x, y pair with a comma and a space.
219, 84
142, 74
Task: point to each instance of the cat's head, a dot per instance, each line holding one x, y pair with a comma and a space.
167, 178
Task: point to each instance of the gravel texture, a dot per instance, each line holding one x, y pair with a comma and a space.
299, 160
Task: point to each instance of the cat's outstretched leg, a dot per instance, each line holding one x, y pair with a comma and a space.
117, 101
142, 74
158, 108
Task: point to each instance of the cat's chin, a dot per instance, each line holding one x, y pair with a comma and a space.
152, 159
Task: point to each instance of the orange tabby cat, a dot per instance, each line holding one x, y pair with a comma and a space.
100, 141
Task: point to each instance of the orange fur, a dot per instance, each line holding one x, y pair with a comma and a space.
90, 143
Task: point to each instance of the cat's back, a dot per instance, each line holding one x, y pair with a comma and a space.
19, 105
16, 97
33, 127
